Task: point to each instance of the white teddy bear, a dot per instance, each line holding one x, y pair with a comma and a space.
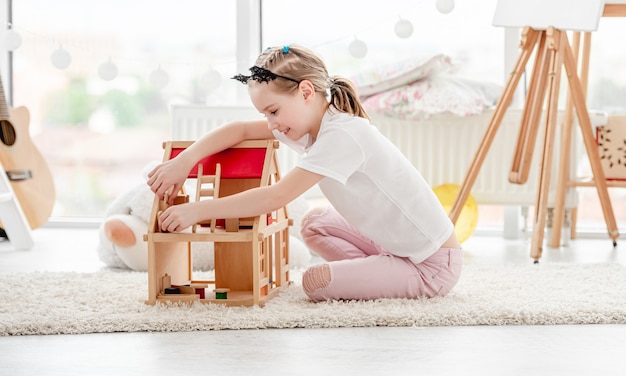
121, 243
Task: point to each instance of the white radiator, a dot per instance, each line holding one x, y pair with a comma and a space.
441, 148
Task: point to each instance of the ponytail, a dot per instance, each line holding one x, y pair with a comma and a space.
344, 97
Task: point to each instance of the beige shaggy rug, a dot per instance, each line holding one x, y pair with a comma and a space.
113, 301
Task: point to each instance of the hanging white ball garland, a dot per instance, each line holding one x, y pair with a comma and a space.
159, 78
358, 48
445, 6
107, 70
13, 40
60, 58
404, 28
212, 79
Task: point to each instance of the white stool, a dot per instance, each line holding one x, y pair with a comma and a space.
13, 219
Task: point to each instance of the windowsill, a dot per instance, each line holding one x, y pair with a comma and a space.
73, 222
583, 232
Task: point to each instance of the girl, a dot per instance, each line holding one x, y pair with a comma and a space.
385, 234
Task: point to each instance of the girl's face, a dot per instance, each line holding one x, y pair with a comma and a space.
290, 113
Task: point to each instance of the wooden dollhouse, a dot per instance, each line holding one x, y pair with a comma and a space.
251, 254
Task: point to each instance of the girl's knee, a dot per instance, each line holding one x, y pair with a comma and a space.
309, 220
315, 278
312, 213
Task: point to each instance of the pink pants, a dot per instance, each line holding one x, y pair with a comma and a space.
360, 269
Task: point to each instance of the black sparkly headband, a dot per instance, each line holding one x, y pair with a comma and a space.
261, 75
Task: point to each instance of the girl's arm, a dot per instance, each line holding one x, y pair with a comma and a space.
170, 176
248, 203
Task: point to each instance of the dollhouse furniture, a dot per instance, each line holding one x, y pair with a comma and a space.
251, 254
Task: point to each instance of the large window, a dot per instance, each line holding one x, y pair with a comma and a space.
102, 118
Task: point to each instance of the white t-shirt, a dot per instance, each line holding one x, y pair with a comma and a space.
374, 186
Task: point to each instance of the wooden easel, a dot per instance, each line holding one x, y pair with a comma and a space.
553, 52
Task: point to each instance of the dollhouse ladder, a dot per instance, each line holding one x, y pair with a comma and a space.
12, 217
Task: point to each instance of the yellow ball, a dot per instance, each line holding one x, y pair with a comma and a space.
466, 223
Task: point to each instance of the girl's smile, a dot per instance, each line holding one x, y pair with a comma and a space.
290, 113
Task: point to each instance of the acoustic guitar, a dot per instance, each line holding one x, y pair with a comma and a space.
27, 170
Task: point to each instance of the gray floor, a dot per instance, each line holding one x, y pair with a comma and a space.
506, 350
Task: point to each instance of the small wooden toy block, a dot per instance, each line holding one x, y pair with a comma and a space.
251, 254
221, 293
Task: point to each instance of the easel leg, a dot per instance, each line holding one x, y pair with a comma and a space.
529, 124
590, 145
553, 43
563, 173
528, 42
566, 142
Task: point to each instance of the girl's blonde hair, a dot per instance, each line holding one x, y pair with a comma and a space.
299, 63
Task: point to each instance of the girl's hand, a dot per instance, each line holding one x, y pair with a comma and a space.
176, 218
167, 178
